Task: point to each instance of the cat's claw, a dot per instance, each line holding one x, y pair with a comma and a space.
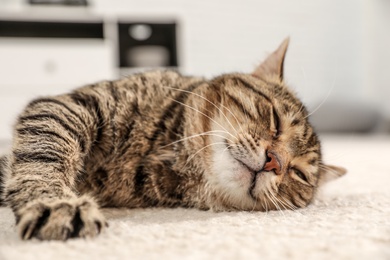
60, 220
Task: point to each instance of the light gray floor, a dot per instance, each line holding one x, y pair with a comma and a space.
349, 220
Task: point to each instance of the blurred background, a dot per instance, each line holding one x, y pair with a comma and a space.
337, 60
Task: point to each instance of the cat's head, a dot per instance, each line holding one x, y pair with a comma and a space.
262, 151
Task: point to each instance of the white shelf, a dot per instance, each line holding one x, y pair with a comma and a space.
32, 67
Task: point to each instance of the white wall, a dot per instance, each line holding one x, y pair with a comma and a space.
337, 46
376, 57
222, 36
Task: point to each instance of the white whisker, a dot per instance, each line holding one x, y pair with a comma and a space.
268, 208
238, 122
227, 147
254, 206
201, 134
264, 204
292, 206
201, 149
203, 115
212, 103
323, 101
288, 203
275, 200
300, 111
329, 170
271, 200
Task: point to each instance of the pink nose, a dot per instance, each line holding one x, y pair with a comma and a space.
272, 164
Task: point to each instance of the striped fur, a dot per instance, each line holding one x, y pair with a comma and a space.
236, 142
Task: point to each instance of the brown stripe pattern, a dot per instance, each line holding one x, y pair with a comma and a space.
156, 139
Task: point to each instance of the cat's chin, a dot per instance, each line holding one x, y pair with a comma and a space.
235, 181
241, 188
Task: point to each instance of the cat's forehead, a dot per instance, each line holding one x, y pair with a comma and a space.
272, 88
272, 94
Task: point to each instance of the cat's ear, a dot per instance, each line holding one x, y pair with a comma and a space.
273, 65
329, 173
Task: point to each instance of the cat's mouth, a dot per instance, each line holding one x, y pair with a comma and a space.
257, 179
253, 178
252, 187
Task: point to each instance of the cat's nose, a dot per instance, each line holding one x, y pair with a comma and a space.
272, 163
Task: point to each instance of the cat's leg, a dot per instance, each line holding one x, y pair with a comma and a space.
51, 141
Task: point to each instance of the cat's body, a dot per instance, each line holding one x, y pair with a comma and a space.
236, 142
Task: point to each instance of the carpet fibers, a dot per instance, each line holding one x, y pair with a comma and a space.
350, 219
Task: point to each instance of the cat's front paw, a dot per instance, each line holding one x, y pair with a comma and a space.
60, 219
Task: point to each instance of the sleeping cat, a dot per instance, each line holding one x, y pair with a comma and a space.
235, 142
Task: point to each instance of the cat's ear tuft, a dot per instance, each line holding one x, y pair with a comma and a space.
273, 65
329, 173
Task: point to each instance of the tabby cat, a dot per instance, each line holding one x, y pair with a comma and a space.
160, 139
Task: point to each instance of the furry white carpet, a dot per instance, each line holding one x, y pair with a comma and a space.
349, 220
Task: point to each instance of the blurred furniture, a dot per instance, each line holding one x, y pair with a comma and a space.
59, 2
50, 54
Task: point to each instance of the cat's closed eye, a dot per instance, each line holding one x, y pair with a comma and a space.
300, 175
276, 124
